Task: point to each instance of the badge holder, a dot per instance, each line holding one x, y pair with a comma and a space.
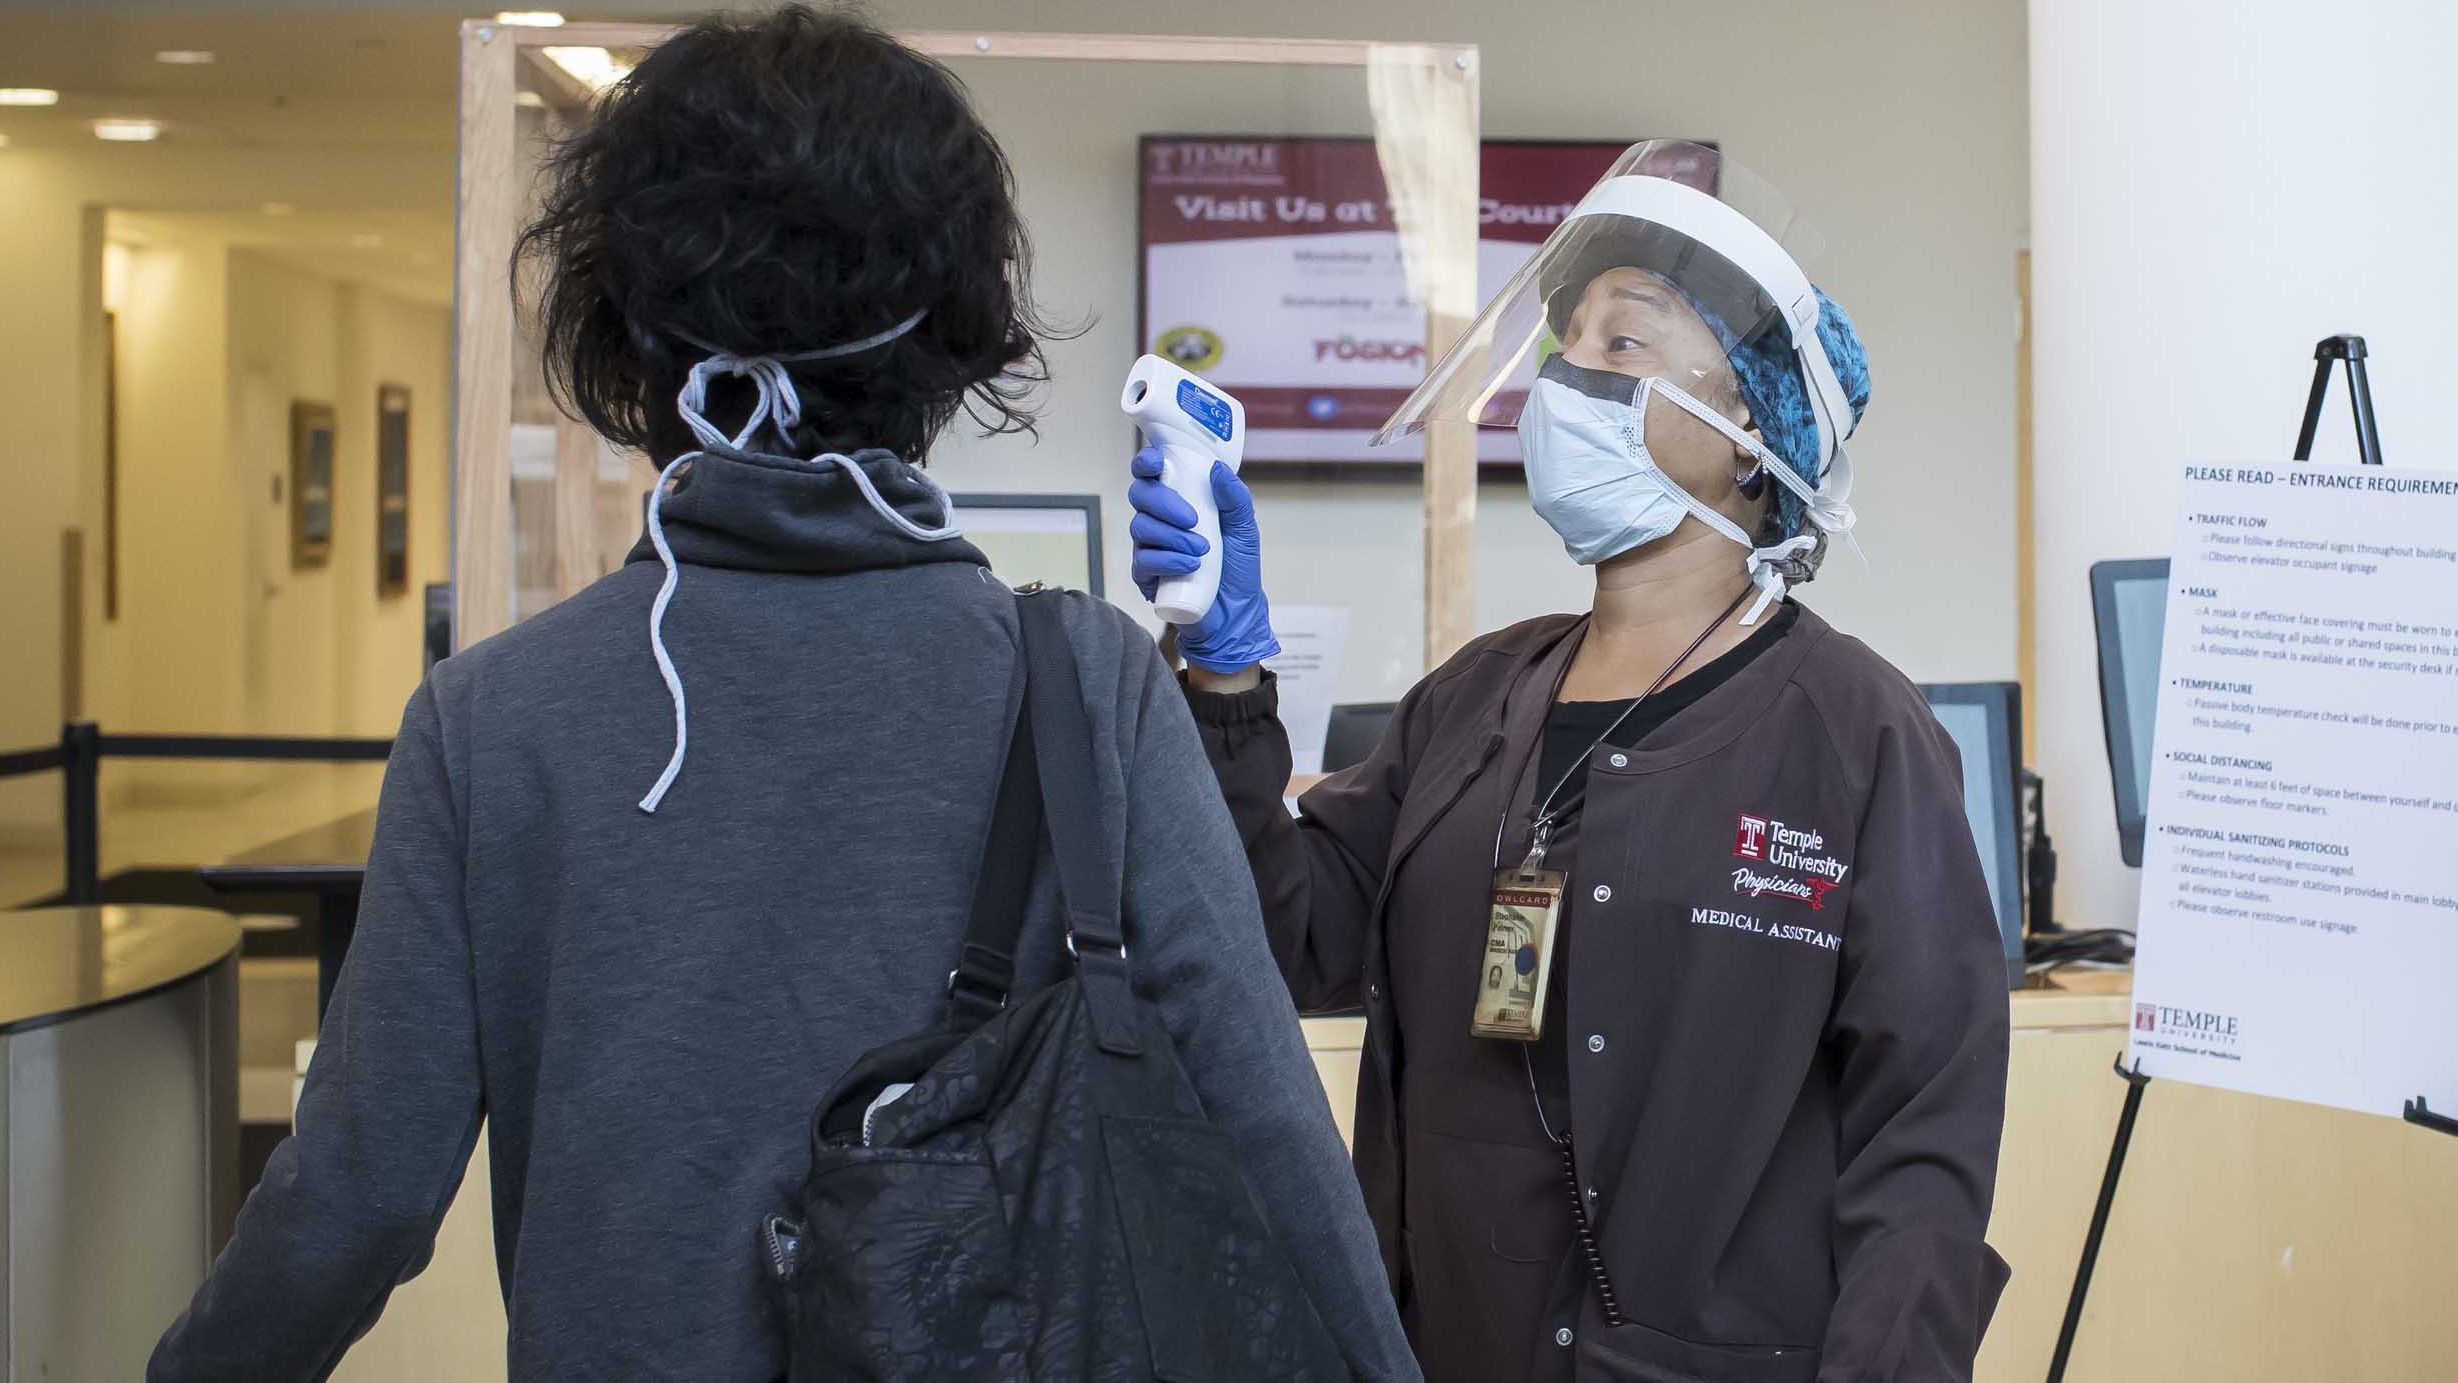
1525, 906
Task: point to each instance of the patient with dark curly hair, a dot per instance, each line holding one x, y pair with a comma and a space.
654, 868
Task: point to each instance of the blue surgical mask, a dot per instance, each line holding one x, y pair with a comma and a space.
1583, 435
779, 407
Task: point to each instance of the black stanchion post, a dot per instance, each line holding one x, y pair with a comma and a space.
81, 810
2134, 1081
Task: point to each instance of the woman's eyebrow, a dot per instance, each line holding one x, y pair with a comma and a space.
1653, 297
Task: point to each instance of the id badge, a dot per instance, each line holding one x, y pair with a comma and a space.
1518, 962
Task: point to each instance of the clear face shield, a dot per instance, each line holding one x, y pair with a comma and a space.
1624, 322
1675, 256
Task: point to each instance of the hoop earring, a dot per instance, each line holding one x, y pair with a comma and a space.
1753, 482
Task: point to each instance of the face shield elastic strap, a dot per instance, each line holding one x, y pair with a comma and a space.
777, 402
1827, 509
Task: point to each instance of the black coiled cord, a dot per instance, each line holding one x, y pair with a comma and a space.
1586, 1233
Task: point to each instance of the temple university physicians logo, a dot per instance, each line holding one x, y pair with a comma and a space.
1778, 846
1750, 841
1751, 884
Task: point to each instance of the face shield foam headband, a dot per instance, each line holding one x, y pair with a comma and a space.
779, 403
1740, 242
1590, 476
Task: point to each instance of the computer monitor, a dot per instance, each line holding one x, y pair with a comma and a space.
1052, 539
2129, 606
1355, 729
1985, 720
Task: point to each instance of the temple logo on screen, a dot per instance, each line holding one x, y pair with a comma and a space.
1233, 160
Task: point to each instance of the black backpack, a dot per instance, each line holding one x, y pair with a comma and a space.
1046, 1201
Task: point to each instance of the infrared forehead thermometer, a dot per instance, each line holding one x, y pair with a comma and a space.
1193, 425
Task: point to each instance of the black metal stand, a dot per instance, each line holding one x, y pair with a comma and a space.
2334, 349
2134, 1081
2349, 349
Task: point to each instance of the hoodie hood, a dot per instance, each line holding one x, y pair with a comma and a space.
721, 507
758, 512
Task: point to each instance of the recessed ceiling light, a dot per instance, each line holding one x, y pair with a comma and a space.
128, 131
529, 100
594, 68
530, 19
184, 57
366, 240
28, 96
278, 209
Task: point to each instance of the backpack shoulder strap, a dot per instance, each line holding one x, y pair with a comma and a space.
985, 970
1087, 874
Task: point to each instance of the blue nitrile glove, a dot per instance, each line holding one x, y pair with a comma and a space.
1236, 633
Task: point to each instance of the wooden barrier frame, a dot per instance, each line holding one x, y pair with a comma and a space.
1425, 98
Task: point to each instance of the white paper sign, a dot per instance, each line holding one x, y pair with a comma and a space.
2300, 877
1313, 640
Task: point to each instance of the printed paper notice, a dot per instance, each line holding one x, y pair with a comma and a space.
1313, 641
2300, 876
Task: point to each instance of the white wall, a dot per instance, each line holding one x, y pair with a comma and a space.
170, 667
2215, 186
1898, 127
331, 657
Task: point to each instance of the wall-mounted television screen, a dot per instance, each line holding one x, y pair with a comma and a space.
1272, 268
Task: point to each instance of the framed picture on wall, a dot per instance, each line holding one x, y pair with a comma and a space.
392, 490
311, 484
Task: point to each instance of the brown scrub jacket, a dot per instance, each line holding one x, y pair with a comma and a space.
1787, 1017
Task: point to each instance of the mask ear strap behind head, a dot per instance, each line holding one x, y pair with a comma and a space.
1765, 563
778, 399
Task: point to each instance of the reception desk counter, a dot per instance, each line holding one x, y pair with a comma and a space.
2253, 1240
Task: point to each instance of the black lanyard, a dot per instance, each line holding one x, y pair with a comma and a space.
1547, 813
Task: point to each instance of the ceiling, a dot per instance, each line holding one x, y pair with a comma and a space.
316, 79
379, 84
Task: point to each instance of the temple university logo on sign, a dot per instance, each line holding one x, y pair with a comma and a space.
2202, 1032
1750, 838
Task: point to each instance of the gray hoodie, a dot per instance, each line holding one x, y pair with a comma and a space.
644, 1007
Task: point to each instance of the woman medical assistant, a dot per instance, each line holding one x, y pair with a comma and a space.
1757, 1136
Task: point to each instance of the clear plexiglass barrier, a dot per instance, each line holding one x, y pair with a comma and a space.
1296, 221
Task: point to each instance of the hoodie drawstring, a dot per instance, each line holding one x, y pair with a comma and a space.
777, 402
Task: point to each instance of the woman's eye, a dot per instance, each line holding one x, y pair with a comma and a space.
1620, 344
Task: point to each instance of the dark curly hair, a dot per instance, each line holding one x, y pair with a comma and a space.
782, 183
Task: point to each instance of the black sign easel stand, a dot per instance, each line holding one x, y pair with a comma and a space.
2350, 350
2359, 392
